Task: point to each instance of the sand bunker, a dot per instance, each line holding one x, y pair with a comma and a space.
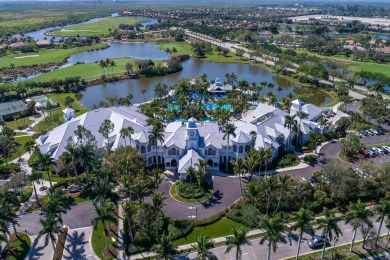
30, 56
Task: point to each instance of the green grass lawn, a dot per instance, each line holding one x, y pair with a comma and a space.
372, 67
99, 243
87, 71
22, 245
184, 48
15, 124
42, 57
220, 228
48, 123
100, 27
19, 149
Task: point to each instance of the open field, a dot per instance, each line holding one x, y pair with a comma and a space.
101, 27
46, 56
373, 67
184, 48
87, 71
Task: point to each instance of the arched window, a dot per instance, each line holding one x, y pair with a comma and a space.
149, 148
173, 151
143, 149
210, 151
240, 149
234, 148
210, 163
150, 160
174, 163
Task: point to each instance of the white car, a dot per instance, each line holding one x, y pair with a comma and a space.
374, 131
377, 150
387, 148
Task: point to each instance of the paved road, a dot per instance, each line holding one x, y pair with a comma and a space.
77, 244
78, 216
257, 251
226, 191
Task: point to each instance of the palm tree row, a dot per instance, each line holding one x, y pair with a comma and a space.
107, 63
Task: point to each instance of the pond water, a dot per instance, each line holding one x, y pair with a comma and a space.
119, 50
191, 69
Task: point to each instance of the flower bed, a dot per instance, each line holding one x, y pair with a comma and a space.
189, 190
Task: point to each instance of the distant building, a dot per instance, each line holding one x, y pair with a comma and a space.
69, 114
3, 46
43, 43
219, 87
384, 50
17, 45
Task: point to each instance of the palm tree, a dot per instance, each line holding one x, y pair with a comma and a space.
130, 209
45, 161
303, 221
164, 248
157, 176
143, 92
86, 158
237, 240
273, 228
4, 224
383, 211
156, 136
357, 215
201, 172
239, 168
73, 153
33, 177
127, 132
283, 185
228, 130
290, 123
103, 212
301, 115
251, 163
202, 245
55, 205
158, 202
329, 225
50, 229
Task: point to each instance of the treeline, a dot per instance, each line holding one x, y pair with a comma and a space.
356, 10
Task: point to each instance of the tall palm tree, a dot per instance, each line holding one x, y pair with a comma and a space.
50, 229
201, 172
73, 153
357, 215
156, 136
165, 248
202, 245
303, 221
290, 123
239, 168
45, 161
228, 130
4, 225
34, 177
383, 211
130, 209
127, 132
157, 176
103, 212
329, 226
283, 185
251, 162
86, 154
143, 92
55, 205
237, 241
158, 202
273, 228
301, 115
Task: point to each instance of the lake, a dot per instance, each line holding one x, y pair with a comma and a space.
191, 69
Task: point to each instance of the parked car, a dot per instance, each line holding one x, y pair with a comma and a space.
316, 241
371, 153
374, 131
386, 148
366, 153
377, 150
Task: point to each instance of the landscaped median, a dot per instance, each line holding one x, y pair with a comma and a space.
19, 246
198, 196
99, 244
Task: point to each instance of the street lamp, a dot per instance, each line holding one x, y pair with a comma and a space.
334, 245
196, 213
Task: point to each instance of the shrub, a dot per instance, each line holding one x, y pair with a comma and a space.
244, 214
310, 158
179, 228
285, 160
189, 190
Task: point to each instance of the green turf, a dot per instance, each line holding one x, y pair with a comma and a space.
220, 228
176, 196
87, 71
42, 57
99, 243
15, 124
182, 48
100, 27
373, 67
22, 246
19, 149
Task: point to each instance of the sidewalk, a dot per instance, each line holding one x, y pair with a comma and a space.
38, 250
